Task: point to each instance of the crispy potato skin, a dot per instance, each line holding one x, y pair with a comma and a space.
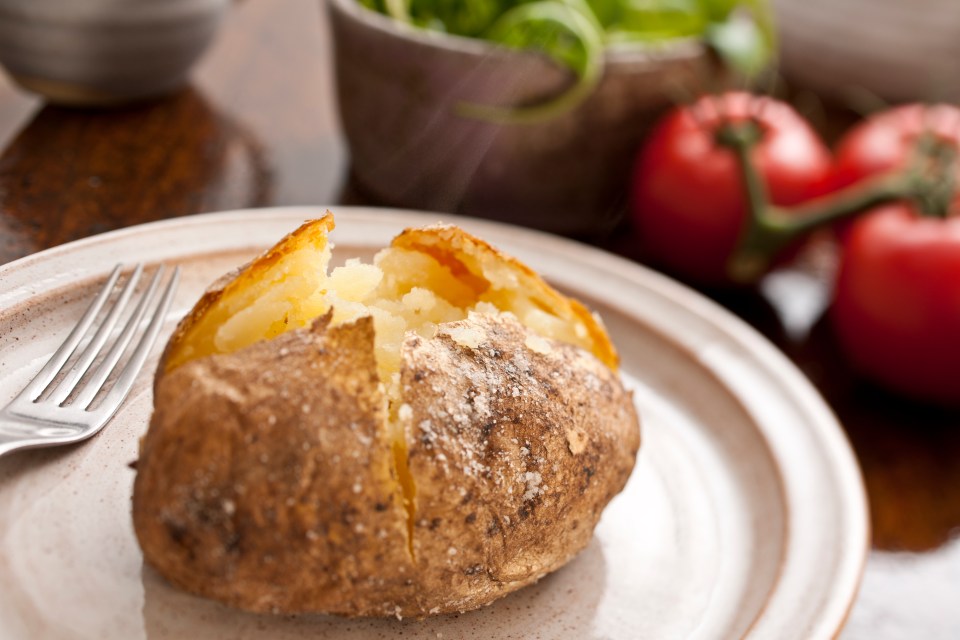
266, 479
311, 233
515, 454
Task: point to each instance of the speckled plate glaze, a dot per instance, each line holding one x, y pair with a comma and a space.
745, 516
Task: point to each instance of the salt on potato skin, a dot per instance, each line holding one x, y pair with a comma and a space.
230, 504
243, 497
516, 483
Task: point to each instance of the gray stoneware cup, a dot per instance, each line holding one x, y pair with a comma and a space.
104, 52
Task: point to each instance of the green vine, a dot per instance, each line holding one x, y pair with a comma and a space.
928, 181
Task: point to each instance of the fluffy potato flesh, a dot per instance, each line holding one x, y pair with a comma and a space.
426, 278
434, 282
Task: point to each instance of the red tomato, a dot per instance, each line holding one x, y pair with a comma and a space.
886, 141
896, 308
688, 199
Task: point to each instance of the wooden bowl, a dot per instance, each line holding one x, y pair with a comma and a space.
398, 90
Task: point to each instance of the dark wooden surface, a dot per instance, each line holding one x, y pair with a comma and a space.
258, 127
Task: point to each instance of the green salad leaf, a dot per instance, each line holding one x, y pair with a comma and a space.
566, 34
741, 43
576, 33
655, 20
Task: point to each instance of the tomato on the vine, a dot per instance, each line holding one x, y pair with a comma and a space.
688, 203
896, 307
886, 141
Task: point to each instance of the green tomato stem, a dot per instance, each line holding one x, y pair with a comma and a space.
944, 190
770, 228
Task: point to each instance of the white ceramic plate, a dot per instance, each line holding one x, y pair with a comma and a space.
745, 516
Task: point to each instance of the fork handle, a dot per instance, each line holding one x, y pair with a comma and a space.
9, 442
12, 437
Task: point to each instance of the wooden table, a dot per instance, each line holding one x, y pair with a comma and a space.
258, 127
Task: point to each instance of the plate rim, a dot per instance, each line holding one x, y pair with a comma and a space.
827, 429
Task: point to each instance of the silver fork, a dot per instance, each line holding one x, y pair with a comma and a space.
31, 420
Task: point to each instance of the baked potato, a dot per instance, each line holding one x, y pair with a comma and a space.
417, 436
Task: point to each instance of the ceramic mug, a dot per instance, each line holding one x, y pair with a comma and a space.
103, 52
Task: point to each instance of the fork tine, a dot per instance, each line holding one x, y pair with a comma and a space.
122, 386
100, 375
62, 354
93, 349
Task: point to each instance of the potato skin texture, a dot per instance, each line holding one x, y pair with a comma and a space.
265, 480
515, 453
303, 512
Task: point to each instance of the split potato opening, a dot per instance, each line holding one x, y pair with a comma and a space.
427, 278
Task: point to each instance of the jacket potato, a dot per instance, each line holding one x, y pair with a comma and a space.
417, 436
